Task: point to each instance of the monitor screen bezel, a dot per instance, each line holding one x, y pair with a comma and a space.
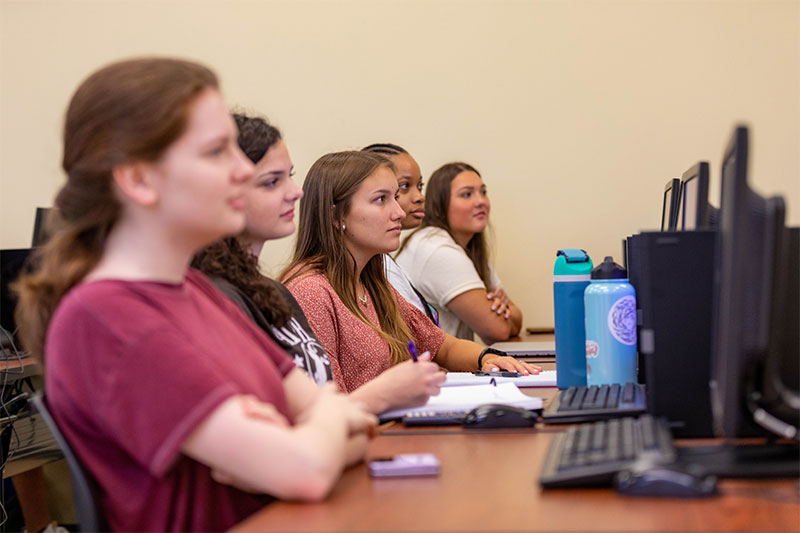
669, 214
699, 173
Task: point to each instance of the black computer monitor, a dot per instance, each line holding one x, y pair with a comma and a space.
43, 225
753, 249
755, 346
11, 264
669, 205
693, 208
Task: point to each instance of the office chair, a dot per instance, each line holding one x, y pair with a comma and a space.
89, 517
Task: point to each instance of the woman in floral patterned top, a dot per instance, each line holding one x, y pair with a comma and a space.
349, 217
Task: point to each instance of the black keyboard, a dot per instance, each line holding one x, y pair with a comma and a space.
585, 404
590, 454
432, 418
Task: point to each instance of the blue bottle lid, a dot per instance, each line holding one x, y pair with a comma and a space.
572, 262
608, 269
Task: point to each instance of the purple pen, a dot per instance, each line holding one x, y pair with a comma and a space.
412, 349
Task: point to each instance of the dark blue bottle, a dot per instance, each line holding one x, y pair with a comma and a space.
571, 276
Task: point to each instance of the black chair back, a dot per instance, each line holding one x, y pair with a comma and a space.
89, 516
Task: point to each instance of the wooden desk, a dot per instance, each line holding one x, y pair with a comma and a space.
489, 483
32, 443
13, 368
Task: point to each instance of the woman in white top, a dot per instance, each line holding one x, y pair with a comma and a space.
447, 258
411, 199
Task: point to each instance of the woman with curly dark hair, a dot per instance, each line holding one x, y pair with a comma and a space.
232, 264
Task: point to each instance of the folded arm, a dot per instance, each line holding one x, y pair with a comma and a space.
474, 308
249, 444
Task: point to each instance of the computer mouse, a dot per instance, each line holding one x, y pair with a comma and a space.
495, 415
669, 481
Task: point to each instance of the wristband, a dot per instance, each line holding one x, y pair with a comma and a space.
489, 350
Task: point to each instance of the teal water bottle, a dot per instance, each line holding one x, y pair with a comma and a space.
570, 279
610, 303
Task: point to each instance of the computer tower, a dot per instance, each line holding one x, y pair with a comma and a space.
636, 277
672, 273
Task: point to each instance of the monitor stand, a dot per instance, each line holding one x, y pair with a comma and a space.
764, 460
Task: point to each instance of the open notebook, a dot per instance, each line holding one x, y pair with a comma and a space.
468, 397
545, 378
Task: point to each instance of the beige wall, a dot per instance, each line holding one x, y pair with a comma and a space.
575, 112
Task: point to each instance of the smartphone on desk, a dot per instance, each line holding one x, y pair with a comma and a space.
405, 464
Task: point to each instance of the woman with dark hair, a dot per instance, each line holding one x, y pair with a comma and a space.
411, 199
349, 218
232, 264
185, 415
447, 258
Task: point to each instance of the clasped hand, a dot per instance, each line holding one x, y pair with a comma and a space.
500, 303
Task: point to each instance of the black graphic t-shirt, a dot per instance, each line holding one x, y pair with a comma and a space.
296, 336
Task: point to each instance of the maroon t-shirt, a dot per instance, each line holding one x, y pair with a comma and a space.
131, 369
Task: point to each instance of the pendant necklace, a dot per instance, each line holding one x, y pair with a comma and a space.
363, 299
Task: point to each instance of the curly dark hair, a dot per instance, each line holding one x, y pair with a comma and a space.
230, 260
256, 135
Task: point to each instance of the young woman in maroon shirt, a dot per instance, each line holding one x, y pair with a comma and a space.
186, 415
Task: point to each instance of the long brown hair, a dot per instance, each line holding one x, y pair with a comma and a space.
128, 111
437, 203
228, 258
329, 188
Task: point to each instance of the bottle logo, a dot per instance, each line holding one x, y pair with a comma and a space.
592, 350
622, 320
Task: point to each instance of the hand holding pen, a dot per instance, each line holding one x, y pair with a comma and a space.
412, 349
410, 383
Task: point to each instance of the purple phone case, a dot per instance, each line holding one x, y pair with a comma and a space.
405, 464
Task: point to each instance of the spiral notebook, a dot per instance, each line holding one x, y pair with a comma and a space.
468, 397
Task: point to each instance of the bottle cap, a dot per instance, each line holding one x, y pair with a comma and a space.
572, 262
608, 269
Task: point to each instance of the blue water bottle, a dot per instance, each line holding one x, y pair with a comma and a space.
570, 279
610, 303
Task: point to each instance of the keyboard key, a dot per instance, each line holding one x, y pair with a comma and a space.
627, 393
613, 396
568, 451
614, 448
648, 432
599, 436
602, 397
567, 395
627, 438
591, 395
